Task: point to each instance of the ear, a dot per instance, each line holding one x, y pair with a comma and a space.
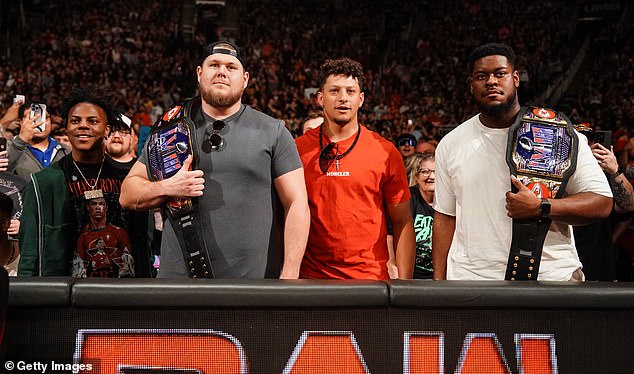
320, 98
516, 78
246, 79
362, 97
199, 71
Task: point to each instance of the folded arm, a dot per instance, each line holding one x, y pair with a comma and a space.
139, 193
577, 209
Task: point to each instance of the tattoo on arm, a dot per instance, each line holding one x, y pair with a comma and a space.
629, 173
622, 197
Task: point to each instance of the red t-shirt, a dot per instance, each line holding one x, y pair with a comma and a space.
347, 237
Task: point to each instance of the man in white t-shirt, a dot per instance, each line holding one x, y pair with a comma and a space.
474, 204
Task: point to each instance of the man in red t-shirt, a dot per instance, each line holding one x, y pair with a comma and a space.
354, 179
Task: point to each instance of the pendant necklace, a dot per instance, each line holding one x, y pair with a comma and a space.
330, 145
92, 193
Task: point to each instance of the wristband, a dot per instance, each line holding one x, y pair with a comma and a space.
619, 171
544, 208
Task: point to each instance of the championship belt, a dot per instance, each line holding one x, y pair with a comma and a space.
542, 153
171, 140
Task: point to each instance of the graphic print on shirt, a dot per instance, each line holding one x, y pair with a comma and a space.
423, 229
103, 253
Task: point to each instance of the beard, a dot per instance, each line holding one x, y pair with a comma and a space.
499, 110
116, 149
219, 100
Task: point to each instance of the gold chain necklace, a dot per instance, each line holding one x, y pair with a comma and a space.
92, 193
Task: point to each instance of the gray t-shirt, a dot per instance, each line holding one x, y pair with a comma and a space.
242, 219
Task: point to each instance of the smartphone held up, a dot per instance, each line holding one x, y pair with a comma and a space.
19, 99
603, 137
38, 112
3, 147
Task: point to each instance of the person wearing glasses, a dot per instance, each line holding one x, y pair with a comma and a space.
355, 180
474, 204
119, 145
247, 165
421, 172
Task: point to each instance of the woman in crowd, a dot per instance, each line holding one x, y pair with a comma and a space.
421, 168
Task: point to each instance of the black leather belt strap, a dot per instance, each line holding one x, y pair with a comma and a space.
542, 154
526, 249
189, 234
172, 139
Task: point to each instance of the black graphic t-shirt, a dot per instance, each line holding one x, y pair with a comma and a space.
109, 182
423, 216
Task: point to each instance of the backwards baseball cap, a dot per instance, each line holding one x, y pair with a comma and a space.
122, 123
223, 47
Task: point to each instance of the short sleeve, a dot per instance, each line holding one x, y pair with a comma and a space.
444, 197
395, 186
285, 157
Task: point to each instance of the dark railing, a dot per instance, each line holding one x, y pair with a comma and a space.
301, 326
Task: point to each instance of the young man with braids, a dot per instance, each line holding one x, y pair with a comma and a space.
354, 179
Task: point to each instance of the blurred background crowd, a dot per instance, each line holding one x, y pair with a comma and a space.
145, 53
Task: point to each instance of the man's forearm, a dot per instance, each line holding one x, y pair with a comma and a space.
580, 209
623, 194
296, 227
141, 194
442, 236
405, 247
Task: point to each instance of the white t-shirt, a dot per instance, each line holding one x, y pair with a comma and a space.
472, 178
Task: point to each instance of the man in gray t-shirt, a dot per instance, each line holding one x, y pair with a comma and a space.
244, 174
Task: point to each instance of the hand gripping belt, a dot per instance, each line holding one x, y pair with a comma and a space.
171, 140
542, 153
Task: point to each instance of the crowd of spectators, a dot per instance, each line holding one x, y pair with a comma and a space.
126, 48
606, 99
416, 73
413, 54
